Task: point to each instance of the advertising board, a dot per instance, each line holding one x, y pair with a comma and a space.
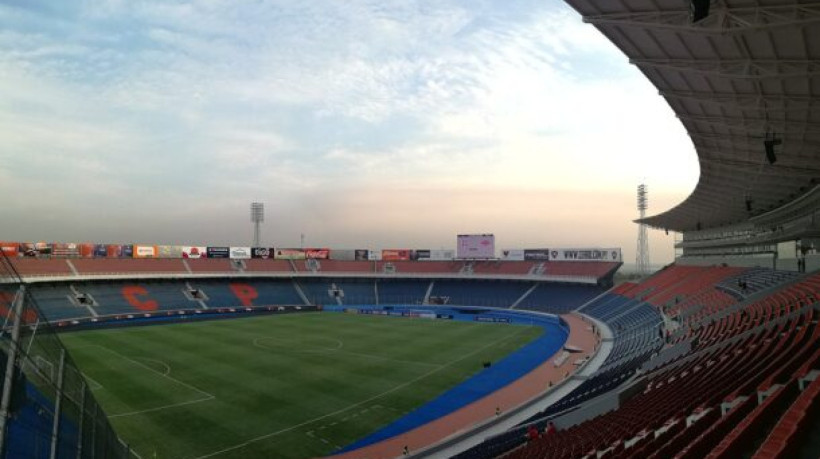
240, 253
512, 254
475, 246
86, 250
374, 255
28, 249
537, 254
127, 251
194, 251
145, 251
100, 251
317, 254
113, 250
262, 252
586, 254
218, 252
362, 254
10, 249
169, 251
396, 254
289, 254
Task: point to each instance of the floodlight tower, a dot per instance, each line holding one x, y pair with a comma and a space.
642, 255
257, 217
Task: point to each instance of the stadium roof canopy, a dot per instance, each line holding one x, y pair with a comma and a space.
747, 72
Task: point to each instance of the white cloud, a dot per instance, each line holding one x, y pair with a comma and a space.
161, 105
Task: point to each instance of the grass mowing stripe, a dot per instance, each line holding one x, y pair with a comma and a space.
260, 391
375, 397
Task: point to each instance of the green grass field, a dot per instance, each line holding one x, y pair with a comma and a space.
289, 386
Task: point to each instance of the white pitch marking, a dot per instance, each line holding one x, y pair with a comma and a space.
166, 376
163, 407
355, 405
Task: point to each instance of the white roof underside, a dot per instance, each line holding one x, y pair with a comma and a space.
749, 68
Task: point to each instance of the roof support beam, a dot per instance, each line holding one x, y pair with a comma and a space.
749, 123
721, 19
748, 101
746, 69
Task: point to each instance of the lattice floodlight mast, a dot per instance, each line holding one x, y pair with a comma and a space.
257, 217
642, 255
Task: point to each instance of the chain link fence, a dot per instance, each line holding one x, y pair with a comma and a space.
47, 409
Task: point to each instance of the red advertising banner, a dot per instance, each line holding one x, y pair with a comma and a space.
319, 254
86, 250
11, 249
113, 250
396, 254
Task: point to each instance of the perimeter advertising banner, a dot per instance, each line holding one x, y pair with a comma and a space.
170, 251
362, 254
318, 254
345, 255
145, 251
374, 255
65, 249
127, 251
262, 252
100, 251
442, 255
240, 253
87, 250
396, 254
512, 254
422, 254
28, 249
612, 254
43, 248
194, 252
219, 252
537, 254
113, 250
475, 246
11, 249
289, 254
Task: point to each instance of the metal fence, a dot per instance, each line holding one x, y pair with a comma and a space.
47, 409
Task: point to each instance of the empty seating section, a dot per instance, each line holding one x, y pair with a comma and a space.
349, 291
127, 265
41, 267
133, 297
738, 351
596, 269
265, 265
247, 292
502, 267
317, 291
57, 302
480, 293
210, 265
635, 328
401, 291
755, 280
558, 298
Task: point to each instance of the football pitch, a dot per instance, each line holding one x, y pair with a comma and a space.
279, 386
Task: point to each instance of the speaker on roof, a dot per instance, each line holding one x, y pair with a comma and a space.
769, 144
698, 9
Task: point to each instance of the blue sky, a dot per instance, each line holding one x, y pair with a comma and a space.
359, 123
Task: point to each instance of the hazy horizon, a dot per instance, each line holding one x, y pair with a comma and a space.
367, 124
